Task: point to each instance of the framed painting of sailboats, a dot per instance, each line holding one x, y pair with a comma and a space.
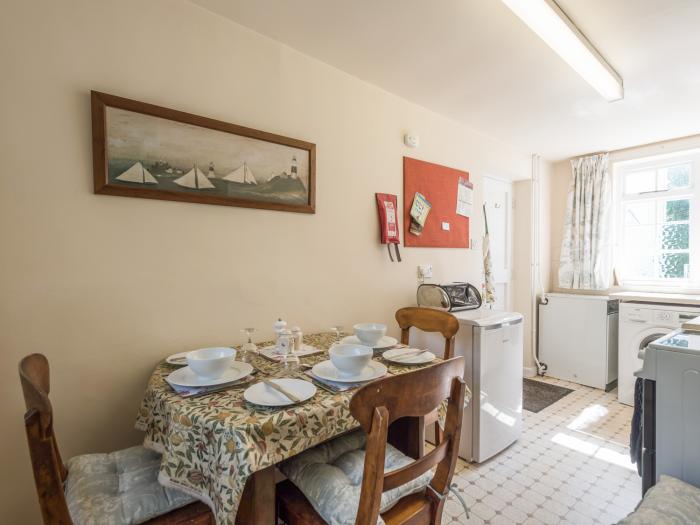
142, 150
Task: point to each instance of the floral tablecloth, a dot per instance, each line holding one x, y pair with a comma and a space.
212, 444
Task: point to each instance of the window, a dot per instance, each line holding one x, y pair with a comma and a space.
657, 205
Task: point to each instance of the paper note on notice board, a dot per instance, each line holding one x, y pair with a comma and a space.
419, 213
465, 197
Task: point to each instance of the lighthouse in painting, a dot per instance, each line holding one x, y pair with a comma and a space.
293, 169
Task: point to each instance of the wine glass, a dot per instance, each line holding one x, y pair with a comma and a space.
289, 359
249, 348
337, 330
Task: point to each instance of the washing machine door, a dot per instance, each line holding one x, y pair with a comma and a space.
630, 360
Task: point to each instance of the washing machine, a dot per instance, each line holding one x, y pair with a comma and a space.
640, 324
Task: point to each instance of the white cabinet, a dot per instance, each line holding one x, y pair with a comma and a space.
672, 365
578, 339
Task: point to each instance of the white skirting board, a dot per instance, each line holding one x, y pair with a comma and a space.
529, 371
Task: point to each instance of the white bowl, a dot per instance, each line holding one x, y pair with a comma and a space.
369, 334
350, 359
211, 363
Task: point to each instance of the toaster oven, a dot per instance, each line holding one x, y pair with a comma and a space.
451, 297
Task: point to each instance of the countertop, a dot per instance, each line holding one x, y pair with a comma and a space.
656, 297
486, 317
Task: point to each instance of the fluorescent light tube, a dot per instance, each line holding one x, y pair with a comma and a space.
552, 25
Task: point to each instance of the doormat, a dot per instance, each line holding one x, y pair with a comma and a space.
538, 395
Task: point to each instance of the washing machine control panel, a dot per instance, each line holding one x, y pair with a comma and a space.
637, 315
661, 318
665, 317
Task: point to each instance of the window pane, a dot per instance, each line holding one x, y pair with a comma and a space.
674, 177
640, 181
640, 213
674, 265
675, 237
639, 261
678, 210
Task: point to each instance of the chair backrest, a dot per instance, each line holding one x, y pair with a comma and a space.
428, 320
49, 471
378, 404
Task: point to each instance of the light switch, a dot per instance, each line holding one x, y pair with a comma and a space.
446, 226
425, 271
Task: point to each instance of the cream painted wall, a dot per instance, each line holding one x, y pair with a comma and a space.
531, 273
106, 286
522, 274
554, 214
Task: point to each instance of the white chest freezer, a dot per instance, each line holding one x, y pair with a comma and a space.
578, 338
492, 345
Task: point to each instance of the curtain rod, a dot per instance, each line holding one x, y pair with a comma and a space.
630, 148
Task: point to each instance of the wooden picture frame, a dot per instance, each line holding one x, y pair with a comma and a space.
147, 151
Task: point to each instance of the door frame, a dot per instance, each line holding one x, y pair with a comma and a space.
509, 234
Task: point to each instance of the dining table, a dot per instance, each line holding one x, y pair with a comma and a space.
223, 450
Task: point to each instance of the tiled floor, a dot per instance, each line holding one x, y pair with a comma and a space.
570, 466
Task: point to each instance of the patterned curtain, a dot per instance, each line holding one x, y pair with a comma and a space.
585, 261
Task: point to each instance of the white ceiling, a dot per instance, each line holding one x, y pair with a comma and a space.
476, 62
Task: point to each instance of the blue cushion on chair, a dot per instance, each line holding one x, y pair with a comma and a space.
120, 488
330, 476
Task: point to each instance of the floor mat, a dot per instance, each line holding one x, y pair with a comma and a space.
538, 395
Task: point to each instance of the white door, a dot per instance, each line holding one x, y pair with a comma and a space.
498, 198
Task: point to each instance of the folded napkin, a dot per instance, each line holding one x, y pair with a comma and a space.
337, 386
270, 352
192, 391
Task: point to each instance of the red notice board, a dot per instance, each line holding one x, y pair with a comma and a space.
439, 185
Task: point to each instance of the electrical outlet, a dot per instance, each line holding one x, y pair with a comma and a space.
425, 271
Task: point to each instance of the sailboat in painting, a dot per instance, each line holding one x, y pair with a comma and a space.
242, 175
137, 173
195, 180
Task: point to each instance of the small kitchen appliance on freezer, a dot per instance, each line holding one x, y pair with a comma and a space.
452, 297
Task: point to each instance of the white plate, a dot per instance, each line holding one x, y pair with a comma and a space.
384, 342
327, 370
186, 377
177, 359
264, 395
395, 356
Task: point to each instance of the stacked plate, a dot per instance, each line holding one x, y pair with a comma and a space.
186, 377
384, 342
327, 371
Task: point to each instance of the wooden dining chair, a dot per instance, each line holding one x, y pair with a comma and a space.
67, 500
428, 320
375, 406
434, 321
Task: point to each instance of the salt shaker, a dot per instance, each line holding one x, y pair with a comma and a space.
297, 335
279, 326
